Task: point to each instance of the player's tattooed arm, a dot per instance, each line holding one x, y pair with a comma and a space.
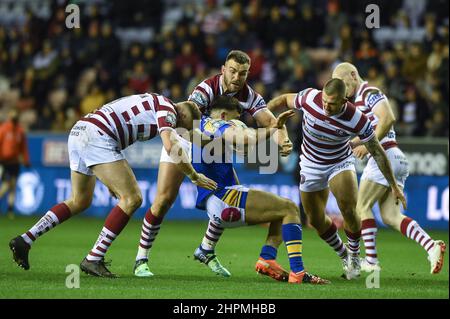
379, 155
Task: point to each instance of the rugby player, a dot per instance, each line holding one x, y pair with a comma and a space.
374, 187
95, 147
230, 82
233, 205
327, 163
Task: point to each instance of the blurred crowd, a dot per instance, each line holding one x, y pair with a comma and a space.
54, 74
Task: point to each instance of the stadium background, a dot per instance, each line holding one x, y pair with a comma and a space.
54, 75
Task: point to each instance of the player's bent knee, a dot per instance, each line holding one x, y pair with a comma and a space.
292, 207
291, 210
80, 203
132, 201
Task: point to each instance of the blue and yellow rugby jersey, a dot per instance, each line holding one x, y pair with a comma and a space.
221, 173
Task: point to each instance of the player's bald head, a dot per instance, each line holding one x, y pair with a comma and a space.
344, 68
348, 73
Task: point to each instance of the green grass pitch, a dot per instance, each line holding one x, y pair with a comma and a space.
405, 271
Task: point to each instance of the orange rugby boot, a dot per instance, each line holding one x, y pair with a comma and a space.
304, 277
271, 268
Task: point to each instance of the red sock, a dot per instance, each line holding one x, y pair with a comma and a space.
333, 239
114, 224
150, 229
353, 241
56, 215
369, 234
411, 229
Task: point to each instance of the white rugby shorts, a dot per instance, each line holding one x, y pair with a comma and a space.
88, 145
227, 207
315, 177
399, 164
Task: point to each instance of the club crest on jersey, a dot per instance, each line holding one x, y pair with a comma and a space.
171, 119
199, 98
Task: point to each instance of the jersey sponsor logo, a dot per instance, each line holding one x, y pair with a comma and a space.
199, 98
310, 120
341, 132
171, 119
374, 98
318, 136
218, 123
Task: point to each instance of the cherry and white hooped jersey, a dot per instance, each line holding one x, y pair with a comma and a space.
204, 93
134, 118
326, 138
366, 99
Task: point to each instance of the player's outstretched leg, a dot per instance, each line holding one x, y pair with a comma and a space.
124, 185
344, 186
82, 191
267, 263
150, 229
392, 216
170, 179
435, 248
205, 253
262, 207
369, 232
369, 193
21, 245
314, 204
208, 258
